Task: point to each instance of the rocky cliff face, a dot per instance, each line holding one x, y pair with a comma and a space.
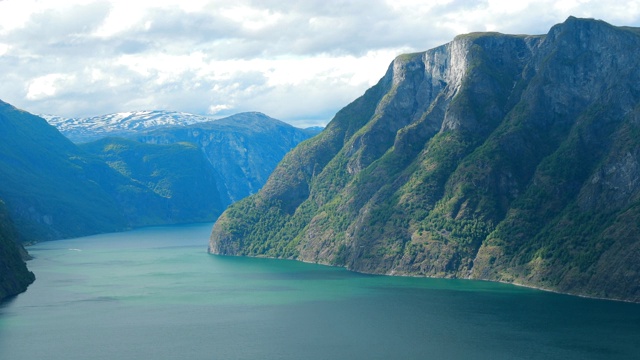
498, 157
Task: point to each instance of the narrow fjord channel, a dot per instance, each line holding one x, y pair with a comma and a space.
156, 294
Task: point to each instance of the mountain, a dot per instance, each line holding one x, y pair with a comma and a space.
176, 173
14, 276
54, 189
80, 130
509, 158
243, 149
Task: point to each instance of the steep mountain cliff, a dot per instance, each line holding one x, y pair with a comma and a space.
14, 276
500, 157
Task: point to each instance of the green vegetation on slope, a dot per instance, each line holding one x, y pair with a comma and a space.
181, 185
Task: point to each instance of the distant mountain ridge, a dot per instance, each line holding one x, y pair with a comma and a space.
131, 124
120, 124
511, 158
243, 149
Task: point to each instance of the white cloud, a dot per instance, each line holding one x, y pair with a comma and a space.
251, 18
298, 61
14, 14
47, 86
121, 19
214, 109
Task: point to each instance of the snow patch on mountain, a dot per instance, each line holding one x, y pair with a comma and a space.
120, 124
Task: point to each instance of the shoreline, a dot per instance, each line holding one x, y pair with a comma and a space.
435, 277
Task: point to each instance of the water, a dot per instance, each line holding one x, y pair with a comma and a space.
156, 294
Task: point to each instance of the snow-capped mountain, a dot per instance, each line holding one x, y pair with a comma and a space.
120, 124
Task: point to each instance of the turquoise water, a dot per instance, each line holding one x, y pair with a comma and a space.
156, 294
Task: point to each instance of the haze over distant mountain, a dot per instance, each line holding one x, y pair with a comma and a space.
510, 158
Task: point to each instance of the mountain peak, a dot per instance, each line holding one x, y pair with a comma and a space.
580, 26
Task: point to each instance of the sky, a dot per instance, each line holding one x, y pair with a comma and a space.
297, 61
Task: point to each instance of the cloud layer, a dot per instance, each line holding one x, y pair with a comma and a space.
299, 61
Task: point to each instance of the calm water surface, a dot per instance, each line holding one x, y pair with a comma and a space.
156, 294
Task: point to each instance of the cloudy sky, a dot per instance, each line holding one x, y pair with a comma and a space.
298, 61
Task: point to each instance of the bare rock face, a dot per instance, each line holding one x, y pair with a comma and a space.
501, 157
